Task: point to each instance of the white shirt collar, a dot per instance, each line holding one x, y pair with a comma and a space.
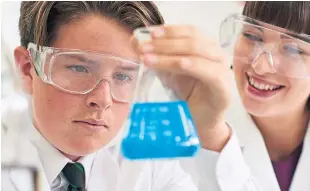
87, 162
51, 158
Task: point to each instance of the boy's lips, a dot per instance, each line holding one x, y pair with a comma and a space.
93, 122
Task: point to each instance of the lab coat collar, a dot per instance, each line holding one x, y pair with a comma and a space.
109, 174
302, 173
256, 154
252, 144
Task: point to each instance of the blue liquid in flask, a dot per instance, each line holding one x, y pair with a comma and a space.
160, 130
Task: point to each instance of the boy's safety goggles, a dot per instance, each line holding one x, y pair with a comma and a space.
79, 72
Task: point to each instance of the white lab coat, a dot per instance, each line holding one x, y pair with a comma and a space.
244, 163
133, 176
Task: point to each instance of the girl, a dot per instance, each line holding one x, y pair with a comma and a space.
267, 146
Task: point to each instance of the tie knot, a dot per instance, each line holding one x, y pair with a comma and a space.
74, 173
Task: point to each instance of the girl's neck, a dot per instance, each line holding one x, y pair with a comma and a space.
283, 133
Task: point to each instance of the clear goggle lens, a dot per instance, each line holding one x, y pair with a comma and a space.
246, 42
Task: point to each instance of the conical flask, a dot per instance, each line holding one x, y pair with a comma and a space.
160, 125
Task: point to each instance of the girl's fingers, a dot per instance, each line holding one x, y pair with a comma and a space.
183, 46
197, 67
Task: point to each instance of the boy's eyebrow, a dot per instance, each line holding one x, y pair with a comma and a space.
133, 67
81, 58
128, 68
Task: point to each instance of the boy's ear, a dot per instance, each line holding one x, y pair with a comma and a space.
24, 68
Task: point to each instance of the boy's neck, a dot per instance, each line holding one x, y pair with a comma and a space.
71, 157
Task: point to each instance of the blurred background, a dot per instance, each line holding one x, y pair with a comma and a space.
207, 16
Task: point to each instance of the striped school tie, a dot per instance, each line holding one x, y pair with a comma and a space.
75, 174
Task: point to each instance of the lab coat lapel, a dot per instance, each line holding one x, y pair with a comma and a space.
130, 175
302, 173
104, 172
42, 183
108, 176
252, 145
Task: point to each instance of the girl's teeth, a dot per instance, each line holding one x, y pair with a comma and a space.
256, 84
262, 86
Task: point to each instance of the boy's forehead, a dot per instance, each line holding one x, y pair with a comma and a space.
97, 34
